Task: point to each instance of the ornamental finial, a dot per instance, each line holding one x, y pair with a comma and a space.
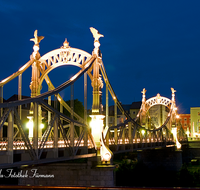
66, 43
36, 46
143, 91
172, 89
96, 34
36, 38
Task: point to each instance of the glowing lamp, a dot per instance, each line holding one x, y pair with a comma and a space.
29, 125
97, 128
41, 125
178, 145
106, 157
143, 132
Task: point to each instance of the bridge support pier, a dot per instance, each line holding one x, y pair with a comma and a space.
70, 174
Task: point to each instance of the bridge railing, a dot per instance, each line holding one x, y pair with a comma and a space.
128, 136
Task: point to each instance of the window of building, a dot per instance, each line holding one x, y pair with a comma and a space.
133, 112
185, 119
198, 113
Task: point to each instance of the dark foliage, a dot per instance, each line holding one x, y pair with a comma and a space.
136, 174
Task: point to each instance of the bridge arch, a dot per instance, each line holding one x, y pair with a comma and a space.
158, 100
61, 57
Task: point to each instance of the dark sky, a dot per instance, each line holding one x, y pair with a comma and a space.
150, 44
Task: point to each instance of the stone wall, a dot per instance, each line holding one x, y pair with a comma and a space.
68, 174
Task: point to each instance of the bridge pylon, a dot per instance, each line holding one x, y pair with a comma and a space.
35, 91
103, 152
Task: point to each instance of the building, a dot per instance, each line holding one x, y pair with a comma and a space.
195, 121
131, 109
184, 122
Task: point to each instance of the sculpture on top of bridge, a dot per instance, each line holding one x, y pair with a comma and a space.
36, 38
96, 34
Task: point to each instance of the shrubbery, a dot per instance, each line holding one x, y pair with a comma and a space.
136, 174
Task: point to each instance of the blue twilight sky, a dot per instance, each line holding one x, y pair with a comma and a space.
150, 44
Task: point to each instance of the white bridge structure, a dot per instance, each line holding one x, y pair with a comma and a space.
79, 139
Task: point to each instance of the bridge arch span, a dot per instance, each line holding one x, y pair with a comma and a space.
61, 57
158, 101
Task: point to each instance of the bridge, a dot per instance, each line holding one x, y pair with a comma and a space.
65, 137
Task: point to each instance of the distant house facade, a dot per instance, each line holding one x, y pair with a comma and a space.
195, 121
184, 122
131, 109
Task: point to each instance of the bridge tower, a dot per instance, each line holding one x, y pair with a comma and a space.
35, 111
103, 152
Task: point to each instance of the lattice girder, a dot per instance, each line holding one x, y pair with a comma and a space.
158, 101
60, 57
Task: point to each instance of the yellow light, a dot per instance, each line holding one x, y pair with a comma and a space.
97, 127
41, 125
174, 131
178, 145
30, 127
29, 124
177, 116
106, 157
143, 132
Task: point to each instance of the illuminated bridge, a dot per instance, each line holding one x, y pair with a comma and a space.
65, 137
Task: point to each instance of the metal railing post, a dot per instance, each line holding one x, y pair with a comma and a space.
10, 132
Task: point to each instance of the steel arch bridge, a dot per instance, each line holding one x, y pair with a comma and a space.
19, 147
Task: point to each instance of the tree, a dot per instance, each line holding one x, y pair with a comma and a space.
78, 108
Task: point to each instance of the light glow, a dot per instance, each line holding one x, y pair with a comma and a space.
97, 127
29, 125
41, 125
174, 132
106, 157
143, 132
